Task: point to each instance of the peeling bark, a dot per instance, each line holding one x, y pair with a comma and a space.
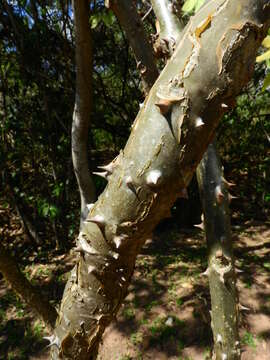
19, 283
220, 271
131, 22
208, 68
83, 105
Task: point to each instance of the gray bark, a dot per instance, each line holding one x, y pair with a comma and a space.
126, 12
209, 67
83, 105
169, 27
217, 220
220, 271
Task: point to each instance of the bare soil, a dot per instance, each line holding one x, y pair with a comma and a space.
166, 314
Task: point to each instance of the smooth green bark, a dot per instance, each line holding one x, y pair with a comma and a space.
220, 271
165, 146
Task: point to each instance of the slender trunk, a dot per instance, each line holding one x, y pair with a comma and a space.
224, 314
168, 27
23, 287
165, 146
83, 105
126, 12
217, 219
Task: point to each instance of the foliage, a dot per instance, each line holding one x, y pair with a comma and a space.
192, 5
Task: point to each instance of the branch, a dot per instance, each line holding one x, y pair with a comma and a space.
83, 105
25, 289
132, 24
168, 27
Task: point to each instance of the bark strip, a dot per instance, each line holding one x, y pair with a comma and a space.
83, 104
208, 68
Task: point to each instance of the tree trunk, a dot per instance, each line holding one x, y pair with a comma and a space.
126, 13
83, 105
224, 314
217, 220
208, 68
32, 296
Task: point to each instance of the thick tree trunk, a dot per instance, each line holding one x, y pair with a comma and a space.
126, 12
224, 299
32, 296
83, 105
169, 136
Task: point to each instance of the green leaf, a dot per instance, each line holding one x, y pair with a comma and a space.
263, 57
266, 42
192, 5
108, 18
95, 21
266, 82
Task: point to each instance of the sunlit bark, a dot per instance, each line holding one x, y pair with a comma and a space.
208, 68
83, 105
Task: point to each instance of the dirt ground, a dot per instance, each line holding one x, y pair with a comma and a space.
166, 314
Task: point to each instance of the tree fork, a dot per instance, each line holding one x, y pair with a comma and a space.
208, 68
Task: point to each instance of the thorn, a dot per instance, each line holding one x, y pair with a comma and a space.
118, 240
141, 105
114, 255
183, 193
139, 63
205, 273
103, 174
90, 206
238, 271
130, 184
219, 339
219, 194
143, 70
199, 226
199, 122
109, 168
98, 220
242, 307
154, 177
231, 197
227, 183
91, 269
225, 106
54, 340
164, 106
123, 279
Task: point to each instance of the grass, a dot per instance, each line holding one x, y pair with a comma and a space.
249, 340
